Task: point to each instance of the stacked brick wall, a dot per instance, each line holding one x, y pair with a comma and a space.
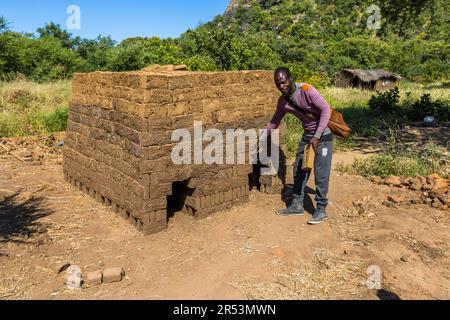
119, 144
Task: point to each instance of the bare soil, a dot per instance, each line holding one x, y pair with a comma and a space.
246, 252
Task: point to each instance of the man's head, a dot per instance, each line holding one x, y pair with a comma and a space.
284, 81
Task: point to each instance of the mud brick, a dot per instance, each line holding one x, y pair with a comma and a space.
154, 82
154, 227
189, 94
131, 219
203, 202
161, 215
94, 278
139, 225
206, 118
133, 122
181, 108
123, 213
182, 122
238, 181
157, 152
238, 192
158, 124
162, 164
156, 138
180, 81
129, 158
161, 190
160, 96
115, 207
129, 107
111, 275
131, 80
228, 196
126, 133
76, 127
243, 191
79, 109
217, 199
154, 110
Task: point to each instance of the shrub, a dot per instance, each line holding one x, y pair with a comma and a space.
400, 159
385, 102
425, 106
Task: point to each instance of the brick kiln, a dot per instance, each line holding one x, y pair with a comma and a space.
119, 144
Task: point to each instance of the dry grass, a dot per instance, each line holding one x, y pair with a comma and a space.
37, 96
28, 108
346, 97
328, 276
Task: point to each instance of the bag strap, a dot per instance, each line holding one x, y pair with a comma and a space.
310, 115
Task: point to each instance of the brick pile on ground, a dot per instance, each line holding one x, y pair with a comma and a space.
118, 144
434, 190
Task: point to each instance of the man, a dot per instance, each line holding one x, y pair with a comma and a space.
306, 103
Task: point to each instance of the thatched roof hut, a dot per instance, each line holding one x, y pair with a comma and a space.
378, 80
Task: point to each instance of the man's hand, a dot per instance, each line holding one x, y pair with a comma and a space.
315, 143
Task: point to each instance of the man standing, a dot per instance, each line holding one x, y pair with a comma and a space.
306, 103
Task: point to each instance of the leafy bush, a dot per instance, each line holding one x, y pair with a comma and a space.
425, 106
400, 159
385, 102
389, 102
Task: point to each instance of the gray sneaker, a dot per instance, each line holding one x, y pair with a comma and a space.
319, 216
295, 209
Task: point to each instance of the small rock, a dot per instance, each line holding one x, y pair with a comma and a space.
416, 185
406, 181
396, 199
434, 176
43, 239
113, 275
436, 203
376, 180
440, 184
393, 180
94, 278
444, 198
423, 180
404, 258
389, 204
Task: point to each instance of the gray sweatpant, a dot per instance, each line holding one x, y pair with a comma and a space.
322, 169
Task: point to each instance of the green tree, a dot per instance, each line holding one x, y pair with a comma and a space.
54, 30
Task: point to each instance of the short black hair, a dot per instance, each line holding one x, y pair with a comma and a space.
283, 70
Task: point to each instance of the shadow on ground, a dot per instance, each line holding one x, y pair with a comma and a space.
386, 295
18, 219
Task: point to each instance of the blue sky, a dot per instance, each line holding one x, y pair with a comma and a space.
119, 19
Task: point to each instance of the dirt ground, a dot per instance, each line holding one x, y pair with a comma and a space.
246, 252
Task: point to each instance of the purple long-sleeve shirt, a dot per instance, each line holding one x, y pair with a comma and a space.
309, 99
